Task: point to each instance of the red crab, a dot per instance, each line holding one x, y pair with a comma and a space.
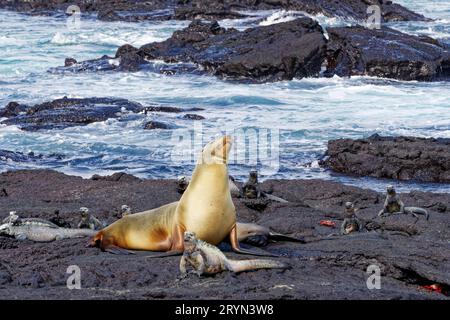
327, 223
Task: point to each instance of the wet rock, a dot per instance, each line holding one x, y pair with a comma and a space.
355, 9
385, 53
152, 125
116, 177
137, 10
403, 158
129, 58
68, 112
169, 109
277, 52
70, 62
191, 116
12, 109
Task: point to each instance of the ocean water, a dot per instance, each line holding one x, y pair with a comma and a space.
298, 116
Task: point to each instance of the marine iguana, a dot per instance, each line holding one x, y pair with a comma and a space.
393, 205
88, 221
207, 259
351, 221
42, 233
252, 190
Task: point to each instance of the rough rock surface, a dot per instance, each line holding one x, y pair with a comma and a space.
139, 10
66, 112
282, 51
271, 53
403, 158
386, 53
334, 268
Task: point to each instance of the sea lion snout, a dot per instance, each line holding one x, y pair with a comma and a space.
216, 152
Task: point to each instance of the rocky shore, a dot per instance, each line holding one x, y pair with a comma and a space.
412, 255
138, 10
402, 158
68, 112
283, 51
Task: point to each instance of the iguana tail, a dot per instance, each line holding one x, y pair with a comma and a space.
255, 264
78, 233
416, 210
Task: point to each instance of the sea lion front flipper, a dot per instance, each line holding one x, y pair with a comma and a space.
237, 248
117, 250
171, 253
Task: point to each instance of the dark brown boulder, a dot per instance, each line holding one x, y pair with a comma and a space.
402, 158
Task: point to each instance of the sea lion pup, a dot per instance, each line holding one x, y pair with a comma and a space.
252, 190
88, 221
351, 222
207, 259
205, 208
257, 235
393, 205
125, 210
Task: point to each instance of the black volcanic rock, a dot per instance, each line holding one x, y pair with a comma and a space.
68, 112
403, 158
138, 10
277, 52
411, 254
192, 116
152, 125
385, 53
355, 9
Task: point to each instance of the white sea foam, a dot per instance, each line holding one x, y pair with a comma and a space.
308, 112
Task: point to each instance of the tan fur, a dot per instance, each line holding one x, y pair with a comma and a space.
205, 208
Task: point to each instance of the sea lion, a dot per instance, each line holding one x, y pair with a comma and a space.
393, 205
207, 259
205, 208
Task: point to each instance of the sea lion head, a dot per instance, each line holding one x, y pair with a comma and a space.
390, 189
349, 205
217, 151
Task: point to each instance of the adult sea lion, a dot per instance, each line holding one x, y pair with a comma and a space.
205, 208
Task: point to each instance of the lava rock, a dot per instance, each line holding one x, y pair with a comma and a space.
152, 125
68, 112
270, 53
385, 53
191, 116
402, 158
70, 62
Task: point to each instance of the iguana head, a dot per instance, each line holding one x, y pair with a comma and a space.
390, 190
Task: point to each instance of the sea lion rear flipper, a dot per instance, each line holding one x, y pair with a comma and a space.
283, 237
237, 248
